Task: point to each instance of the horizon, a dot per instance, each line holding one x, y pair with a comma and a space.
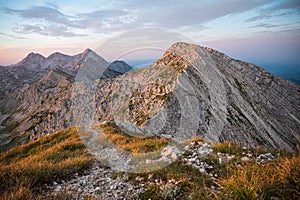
288, 72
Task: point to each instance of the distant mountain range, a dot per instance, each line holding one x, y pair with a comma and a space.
230, 100
35, 94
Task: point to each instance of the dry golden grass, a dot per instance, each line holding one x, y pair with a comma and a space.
227, 147
25, 169
132, 144
279, 178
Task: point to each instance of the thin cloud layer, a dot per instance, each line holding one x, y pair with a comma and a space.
280, 8
50, 30
138, 14
181, 13
263, 25
55, 20
47, 14
12, 36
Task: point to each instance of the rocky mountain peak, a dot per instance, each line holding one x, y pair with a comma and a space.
86, 51
31, 58
120, 66
180, 55
34, 55
237, 101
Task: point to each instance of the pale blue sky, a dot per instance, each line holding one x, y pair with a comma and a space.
262, 32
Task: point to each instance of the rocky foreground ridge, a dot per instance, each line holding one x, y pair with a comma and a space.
191, 90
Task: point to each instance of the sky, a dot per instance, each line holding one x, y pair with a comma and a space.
263, 32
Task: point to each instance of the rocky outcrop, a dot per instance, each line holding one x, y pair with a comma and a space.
193, 90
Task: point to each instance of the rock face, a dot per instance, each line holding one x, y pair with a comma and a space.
36, 94
191, 90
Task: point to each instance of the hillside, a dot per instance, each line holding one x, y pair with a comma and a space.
59, 167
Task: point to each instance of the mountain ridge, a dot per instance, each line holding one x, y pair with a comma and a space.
246, 100
235, 101
36, 100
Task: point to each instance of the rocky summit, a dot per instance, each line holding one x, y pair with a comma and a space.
190, 91
193, 90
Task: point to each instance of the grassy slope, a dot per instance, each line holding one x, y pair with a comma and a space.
25, 169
